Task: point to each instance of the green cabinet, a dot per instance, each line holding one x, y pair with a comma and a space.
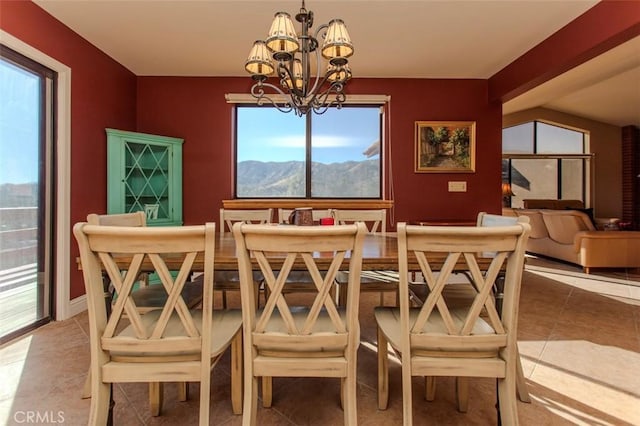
144, 173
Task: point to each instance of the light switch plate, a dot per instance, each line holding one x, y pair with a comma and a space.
457, 186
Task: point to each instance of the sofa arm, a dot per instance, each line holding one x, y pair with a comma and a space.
591, 237
608, 248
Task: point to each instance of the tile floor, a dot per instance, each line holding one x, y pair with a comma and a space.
579, 338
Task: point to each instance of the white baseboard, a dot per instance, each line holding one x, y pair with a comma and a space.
76, 306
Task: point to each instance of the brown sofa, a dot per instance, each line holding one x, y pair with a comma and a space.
570, 235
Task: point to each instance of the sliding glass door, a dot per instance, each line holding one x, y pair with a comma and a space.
27, 91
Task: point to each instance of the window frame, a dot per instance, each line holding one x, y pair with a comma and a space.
360, 102
586, 158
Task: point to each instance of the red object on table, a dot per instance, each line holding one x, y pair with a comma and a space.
326, 221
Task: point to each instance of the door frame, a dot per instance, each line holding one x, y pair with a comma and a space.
64, 308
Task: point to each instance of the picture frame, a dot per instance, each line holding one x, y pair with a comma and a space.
445, 146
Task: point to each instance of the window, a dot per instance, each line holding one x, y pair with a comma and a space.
542, 160
332, 155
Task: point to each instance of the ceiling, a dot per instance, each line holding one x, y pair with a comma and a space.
392, 38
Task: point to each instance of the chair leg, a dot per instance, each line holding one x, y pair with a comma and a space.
342, 294
350, 390
407, 403
256, 294
236, 374
430, 388
183, 391
155, 397
462, 393
205, 393
267, 391
100, 399
250, 407
383, 371
521, 384
507, 400
224, 299
86, 389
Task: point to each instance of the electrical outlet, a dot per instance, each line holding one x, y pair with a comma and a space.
457, 186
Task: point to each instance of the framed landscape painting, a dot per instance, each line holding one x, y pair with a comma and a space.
445, 147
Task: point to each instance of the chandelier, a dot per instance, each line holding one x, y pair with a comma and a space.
290, 55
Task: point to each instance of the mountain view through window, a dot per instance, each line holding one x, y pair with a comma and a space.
332, 155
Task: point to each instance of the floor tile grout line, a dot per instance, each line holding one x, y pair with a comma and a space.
553, 329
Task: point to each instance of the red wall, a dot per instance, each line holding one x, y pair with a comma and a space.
195, 109
103, 94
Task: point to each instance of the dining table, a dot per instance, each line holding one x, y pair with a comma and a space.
379, 253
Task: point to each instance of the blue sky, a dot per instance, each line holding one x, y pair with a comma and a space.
266, 134
19, 97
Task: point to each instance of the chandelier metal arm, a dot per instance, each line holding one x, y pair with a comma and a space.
316, 35
285, 72
318, 73
257, 91
320, 102
302, 90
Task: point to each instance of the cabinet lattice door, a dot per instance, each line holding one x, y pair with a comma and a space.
145, 174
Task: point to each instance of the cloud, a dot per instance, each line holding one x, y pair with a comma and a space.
319, 141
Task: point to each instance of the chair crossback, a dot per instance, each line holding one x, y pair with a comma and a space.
462, 248
230, 216
105, 247
375, 219
279, 325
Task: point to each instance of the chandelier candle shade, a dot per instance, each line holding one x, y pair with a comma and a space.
289, 56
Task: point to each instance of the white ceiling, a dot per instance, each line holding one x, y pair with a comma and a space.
392, 38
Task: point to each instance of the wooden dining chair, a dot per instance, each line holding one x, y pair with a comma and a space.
174, 343
316, 214
381, 282
230, 216
440, 340
225, 281
300, 281
486, 219
463, 292
314, 340
146, 297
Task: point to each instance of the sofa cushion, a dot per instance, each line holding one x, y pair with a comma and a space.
538, 227
588, 212
562, 226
